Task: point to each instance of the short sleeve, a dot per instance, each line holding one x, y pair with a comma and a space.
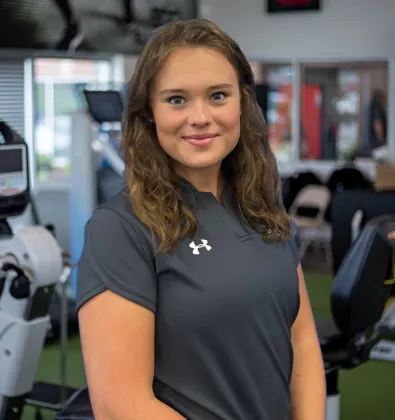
294, 243
118, 257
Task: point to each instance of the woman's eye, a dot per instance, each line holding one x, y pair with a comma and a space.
219, 96
176, 100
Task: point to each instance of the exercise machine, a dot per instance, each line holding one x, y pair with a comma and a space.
344, 206
31, 266
359, 293
105, 107
351, 211
385, 348
31, 216
96, 164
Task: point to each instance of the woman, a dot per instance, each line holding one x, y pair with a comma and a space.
192, 303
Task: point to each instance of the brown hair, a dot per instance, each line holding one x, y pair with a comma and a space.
250, 170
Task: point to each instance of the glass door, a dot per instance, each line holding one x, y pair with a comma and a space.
57, 95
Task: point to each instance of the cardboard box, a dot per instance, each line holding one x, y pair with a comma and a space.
385, 177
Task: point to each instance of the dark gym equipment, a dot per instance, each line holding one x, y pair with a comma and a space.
106, 108
359, 294
348, 178
344, 205
360, 291
78, 408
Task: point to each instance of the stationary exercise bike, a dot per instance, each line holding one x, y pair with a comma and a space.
30, 267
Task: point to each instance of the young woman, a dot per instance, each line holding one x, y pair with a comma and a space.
192, 302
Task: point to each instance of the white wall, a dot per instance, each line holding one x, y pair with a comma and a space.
343, 28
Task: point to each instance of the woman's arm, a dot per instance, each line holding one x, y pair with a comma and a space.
117, 338
308, 389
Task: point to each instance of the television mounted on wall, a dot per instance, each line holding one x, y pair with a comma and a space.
282, 6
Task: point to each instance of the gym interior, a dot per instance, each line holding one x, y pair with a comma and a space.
325, 80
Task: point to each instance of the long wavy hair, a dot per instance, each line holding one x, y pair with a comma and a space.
250, 170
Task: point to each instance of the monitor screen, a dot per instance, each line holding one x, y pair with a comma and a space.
11, 160
120, 26
105, 106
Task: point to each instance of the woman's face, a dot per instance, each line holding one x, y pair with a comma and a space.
195, 102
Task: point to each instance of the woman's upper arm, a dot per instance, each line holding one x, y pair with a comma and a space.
117, 338
116, 311
304, 326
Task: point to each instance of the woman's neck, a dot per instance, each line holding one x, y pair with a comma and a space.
206, 180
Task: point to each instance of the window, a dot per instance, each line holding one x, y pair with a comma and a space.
57, 95
343, 110
274, 95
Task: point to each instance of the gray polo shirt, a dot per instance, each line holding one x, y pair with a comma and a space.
224, 300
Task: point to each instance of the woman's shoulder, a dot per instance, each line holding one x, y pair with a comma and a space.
117, 215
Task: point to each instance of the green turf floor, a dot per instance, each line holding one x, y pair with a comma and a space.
368, 392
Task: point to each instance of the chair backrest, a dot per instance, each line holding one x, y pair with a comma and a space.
361, 288
295, 183
347, 178
313, 196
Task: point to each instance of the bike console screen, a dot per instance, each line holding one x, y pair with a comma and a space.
13, 169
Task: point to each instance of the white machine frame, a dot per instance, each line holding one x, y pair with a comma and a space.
31, 266
24, 322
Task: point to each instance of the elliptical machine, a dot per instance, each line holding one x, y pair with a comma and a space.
30, 267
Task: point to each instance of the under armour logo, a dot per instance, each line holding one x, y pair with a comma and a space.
196, 248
